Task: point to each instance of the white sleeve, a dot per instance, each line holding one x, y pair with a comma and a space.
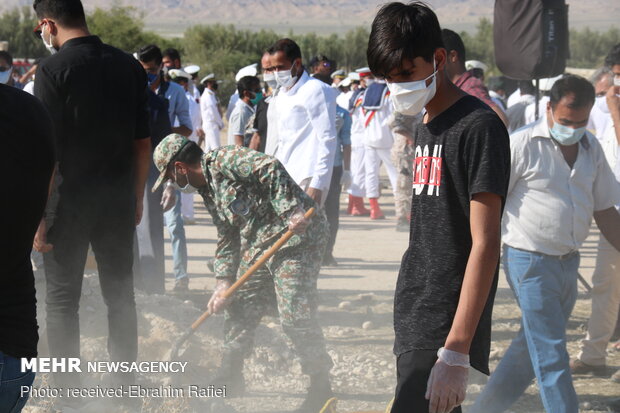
606, 189
322, 113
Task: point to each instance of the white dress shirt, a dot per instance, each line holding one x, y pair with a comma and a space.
306, 121
530, 110
599, 118
549, 205
208, 107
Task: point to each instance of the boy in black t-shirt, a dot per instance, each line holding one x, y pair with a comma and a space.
448, 276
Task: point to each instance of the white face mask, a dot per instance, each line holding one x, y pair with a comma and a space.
5, 76
187, 189
270, 79
50, 47
409, 98
285, 79
601, 104
617, 81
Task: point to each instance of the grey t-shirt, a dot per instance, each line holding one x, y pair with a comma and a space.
463, 151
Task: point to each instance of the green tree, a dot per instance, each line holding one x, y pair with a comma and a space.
16, 27
123, 27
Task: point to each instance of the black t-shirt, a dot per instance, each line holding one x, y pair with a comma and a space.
97, 97
463, 151
28, 160
260, 123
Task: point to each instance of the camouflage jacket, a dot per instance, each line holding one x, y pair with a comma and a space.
250, 197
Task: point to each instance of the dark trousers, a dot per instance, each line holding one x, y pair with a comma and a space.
412, 371
332, 208
106, 221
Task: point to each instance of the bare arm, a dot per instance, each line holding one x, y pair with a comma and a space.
182, 130
142, 161
608, 221
238, 140
485, 215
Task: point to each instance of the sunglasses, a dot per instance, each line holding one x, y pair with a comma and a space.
37, 30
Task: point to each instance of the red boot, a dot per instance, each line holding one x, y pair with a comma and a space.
375, 210
351, 204
358, 209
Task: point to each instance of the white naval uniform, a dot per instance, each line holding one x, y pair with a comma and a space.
211, 120
187, 200
378, 141
358, 132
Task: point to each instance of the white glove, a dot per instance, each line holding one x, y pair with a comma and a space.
447, 384
346, 179
217, 303
168, 197
297, 222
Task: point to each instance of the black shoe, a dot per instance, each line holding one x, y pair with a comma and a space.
329, 261
230, 374
319, 392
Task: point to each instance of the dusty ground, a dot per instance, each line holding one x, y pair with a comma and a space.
359, 290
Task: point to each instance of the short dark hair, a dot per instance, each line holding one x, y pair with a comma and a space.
526, 87
452, 41
580, 88
172, 54
150, 53
323, 78
6, 56
247, 83
289, 47
402, 31
613, 58
67, 13
190, 154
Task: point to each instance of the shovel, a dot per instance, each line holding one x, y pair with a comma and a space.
176, 348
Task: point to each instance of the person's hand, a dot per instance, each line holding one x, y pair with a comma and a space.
40, 238
201, 133
613, 101
168, 197
346, 179
217, 302
447, 383
315, 194
255, 141
297, 222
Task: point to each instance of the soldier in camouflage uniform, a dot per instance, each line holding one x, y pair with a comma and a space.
402, 127
253, 201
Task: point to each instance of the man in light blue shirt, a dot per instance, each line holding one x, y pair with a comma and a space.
178, 109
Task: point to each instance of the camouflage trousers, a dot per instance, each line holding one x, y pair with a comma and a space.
403, 156
287, 283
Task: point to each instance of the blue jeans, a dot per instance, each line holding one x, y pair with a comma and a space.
174, 222
11, 381
546, 290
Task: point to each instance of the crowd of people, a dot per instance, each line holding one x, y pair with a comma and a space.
478, 172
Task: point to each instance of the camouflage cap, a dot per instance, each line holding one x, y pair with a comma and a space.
164, 152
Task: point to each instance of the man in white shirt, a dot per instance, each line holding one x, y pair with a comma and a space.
212, 122
241, 118
516, 113
249, 70
602, 80
606, 279
306, 127
559, 180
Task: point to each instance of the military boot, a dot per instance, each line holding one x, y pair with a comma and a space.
319, 392
230, 374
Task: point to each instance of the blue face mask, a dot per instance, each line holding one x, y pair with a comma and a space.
151, 78
565, 135
258, 96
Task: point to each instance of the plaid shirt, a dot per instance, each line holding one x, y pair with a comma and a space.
474, 86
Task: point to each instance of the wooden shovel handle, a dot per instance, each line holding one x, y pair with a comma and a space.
268, 254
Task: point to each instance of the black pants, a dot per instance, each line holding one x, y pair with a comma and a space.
106, 221
413, 369
332, 208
